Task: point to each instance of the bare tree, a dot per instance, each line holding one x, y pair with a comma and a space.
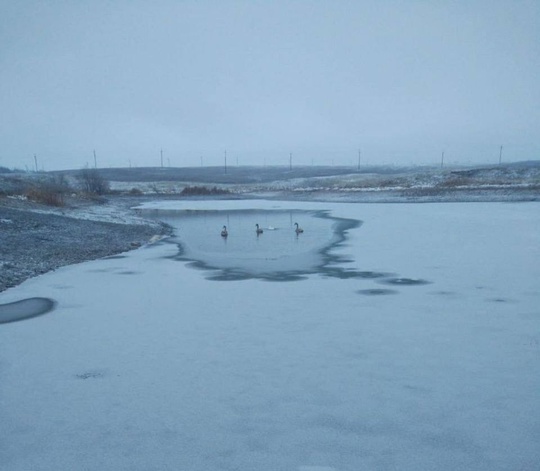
91, 181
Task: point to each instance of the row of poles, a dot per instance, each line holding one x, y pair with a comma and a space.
290, 159
359, 159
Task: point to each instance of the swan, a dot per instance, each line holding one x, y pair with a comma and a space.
258, 230
298, 229
224, 232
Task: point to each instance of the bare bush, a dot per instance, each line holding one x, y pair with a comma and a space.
202, 190
49, 191
92, 182
155, 188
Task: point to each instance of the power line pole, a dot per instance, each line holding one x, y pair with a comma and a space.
95, 159
225, 161
35, 161
161, 152
500, 155
359, 158
442, 159
290, 161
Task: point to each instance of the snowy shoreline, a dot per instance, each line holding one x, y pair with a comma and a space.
36, 239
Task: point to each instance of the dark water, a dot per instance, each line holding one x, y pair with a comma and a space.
25, 309
278, 254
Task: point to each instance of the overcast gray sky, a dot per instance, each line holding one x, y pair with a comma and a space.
400, 80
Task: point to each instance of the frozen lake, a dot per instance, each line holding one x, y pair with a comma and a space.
399, 336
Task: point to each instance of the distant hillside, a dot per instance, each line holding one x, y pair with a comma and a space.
513, 181
237, 175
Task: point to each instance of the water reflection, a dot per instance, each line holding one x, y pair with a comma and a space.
278, 253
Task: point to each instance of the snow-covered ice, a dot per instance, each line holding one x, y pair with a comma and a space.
146, 364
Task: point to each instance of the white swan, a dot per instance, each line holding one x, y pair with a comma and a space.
224, 232
258, 230
298, 229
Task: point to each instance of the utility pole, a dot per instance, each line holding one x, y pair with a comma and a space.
225, 161
290, 161
35, 161
500, 155
161, 152
442, 159
359, 158
95, 159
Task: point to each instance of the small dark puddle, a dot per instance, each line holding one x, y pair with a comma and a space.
345, 274
498, 300
377, 292
25, 309
404, 281
90, 375
444, 293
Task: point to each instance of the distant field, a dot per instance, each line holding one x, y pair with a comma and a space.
514, 180
234, 175
243, 175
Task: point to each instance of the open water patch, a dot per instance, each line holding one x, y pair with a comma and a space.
272, 245
25, 309
289, 245
377, 292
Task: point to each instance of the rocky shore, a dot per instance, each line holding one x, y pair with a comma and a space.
36, 239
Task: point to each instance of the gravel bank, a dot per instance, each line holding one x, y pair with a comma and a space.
32, 243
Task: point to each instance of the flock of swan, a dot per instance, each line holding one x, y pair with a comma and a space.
258, 230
